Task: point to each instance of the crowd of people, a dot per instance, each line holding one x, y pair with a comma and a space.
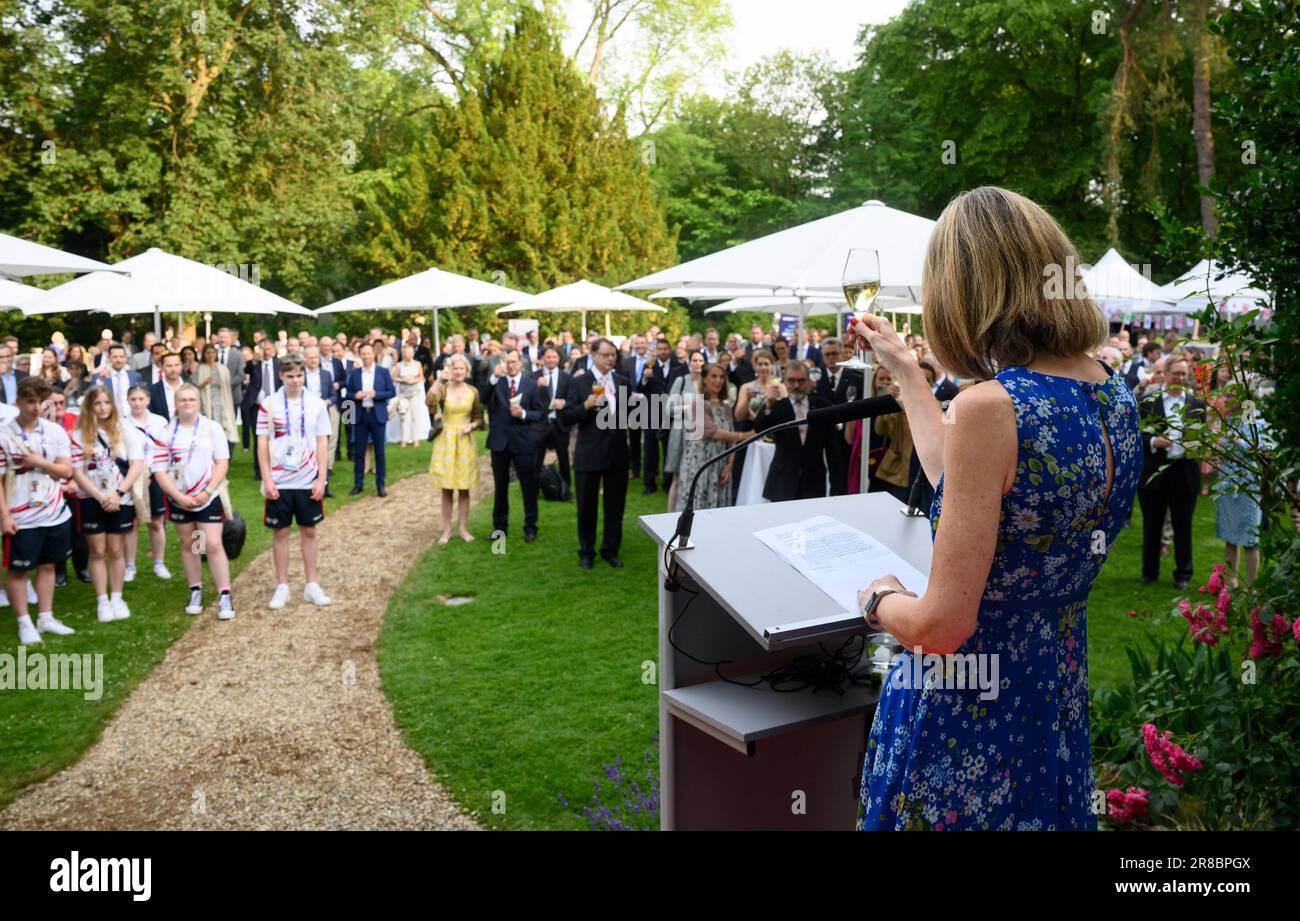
103, 444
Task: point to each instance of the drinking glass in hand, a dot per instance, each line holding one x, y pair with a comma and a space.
861, 285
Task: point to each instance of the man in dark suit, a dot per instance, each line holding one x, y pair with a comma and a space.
836, 387
1175, 488
263, 380
366, 396
9, 376
340, 368
804, 350
232, 357
656, 378
740, 371
799, 467
162, 395
318, 379
513, 404
552, 432
633, 369
944, 387
1141, 366
755, 341
600, 457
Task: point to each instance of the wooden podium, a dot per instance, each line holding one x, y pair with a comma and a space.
751, 758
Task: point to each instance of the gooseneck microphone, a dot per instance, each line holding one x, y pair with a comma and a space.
828, 415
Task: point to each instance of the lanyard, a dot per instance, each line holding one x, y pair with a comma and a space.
288, 418
176, 428
22, 433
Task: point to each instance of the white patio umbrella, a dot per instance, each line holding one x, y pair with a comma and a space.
812, 256
431, 290
160, 282
1116, 286
581, 297
13, 294
19, 258
1205, 282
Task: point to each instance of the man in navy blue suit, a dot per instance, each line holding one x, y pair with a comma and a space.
513, 404
369, 389
162, 395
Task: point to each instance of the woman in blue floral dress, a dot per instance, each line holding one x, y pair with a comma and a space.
1036, 471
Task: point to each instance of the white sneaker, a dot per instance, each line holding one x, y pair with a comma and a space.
27, 634
226, 607
316, 595
4, 598
129, 574
105, 612
280, 598
31, 594
120, 610
160, 570
196, 602
47, 624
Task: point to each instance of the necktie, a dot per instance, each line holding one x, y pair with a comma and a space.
512, 388
801, 413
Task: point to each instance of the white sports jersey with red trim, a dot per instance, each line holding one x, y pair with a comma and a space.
188, 453
37, 498
100, 466
293, 426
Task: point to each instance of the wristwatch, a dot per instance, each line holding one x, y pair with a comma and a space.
869, 612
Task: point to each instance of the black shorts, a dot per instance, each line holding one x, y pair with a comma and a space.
212, 513
157, 500
32, 547
293, 505
92, 519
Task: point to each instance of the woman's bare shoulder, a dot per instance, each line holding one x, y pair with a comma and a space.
981, 407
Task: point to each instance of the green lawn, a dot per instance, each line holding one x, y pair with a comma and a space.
43, 731
536, 684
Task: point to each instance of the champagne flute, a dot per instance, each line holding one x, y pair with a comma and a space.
861, 285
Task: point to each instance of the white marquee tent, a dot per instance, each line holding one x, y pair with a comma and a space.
431, 290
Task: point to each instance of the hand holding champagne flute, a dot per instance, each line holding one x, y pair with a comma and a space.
861, 285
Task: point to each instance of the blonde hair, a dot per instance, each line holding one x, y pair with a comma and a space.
89, 426
458, 358
987, 302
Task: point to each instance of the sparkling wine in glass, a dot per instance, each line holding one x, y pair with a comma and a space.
861, 285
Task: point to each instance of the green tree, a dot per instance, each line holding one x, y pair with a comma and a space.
523, 177
219, 130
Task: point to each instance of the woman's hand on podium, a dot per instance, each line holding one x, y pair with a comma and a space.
890, 583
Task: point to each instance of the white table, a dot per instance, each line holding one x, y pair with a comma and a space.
758, 460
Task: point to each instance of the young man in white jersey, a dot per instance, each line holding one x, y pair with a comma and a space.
293, 432
151, 430
190, 468
35, 455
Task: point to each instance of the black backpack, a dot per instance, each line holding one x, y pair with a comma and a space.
553, 486
234, 531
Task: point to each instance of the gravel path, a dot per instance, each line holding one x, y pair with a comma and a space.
275, 720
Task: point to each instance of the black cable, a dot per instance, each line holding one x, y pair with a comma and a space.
830, 671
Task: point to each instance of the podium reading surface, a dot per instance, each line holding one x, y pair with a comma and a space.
734, 757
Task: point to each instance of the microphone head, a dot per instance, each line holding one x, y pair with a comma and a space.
857, 409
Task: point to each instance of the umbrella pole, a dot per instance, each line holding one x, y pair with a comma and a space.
157, 323
437, 343
584, 326
607, 332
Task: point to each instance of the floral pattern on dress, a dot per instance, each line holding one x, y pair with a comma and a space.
946, 759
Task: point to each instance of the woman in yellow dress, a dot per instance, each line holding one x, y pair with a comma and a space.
453, 467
